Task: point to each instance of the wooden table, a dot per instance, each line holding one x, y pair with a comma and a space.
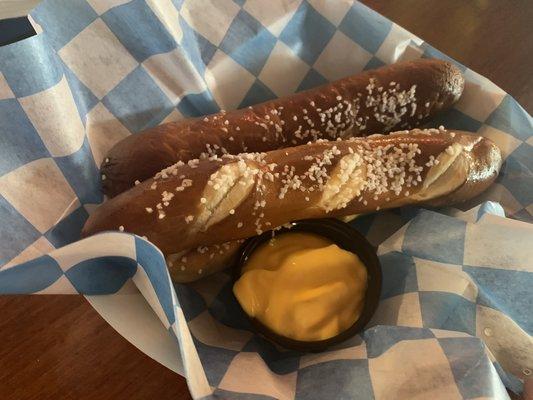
58, 347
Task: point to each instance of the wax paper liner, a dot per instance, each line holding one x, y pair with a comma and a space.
455, 316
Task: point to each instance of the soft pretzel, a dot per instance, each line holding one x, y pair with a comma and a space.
222, 199
191, 265
398, 96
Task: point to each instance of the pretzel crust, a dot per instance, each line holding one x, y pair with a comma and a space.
225, 199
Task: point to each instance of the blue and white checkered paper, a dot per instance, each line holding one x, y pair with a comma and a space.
455, 316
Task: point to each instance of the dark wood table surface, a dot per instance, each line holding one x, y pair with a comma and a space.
58, 347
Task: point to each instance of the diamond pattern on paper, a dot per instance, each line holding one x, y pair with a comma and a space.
96, 46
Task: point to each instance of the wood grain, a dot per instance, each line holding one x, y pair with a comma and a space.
58, 347
492, 37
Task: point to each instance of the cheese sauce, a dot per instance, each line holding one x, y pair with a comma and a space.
303, 286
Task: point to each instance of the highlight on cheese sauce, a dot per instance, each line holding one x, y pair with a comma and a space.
303, 286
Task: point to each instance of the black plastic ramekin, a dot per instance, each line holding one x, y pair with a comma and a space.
346, 238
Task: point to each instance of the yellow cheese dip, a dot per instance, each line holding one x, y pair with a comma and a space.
302, 286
